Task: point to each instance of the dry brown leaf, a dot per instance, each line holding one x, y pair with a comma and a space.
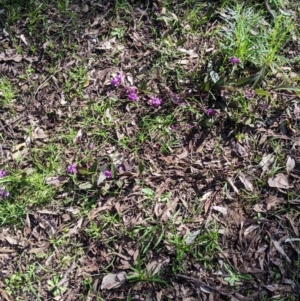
56, 181
111, 281
168, 212
155, 266
16, 58
250, 229
11, 240
273, 201
7, 251
78, 136
280, 249
245, 180
4, 295
39, 251
279, 181
205, 196
229, 180
259, 208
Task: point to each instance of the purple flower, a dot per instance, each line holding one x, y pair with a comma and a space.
131, 93
72, 169
173, 128
3, 173
116, 80
4, 194
155, 102
249, 94
264, 106
211, 112
121, 168
91, 146
234, 60
108, 174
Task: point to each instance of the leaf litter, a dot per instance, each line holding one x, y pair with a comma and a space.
93, 231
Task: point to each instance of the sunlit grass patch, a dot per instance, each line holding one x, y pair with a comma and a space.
7, 92
26, 190
249, 36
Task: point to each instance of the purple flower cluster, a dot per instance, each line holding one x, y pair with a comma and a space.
116, 80
155, 102
264, 106
4, 194
211, 112
249, 94
234, 60
107, 174
3, 173
131, 93
72, 169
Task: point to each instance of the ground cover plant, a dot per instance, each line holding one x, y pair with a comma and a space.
150, 150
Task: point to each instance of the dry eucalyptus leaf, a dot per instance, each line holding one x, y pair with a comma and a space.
223, 210
290, 164
245, 180
266, 161
56, 181
280, 249
192, 237
259, 208
241, 150
22, 37
279, 181
205, 196
78, 136
38, 133
113, 280
155, 266
273, 202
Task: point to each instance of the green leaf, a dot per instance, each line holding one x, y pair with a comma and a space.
94, 167
113, 170
143, 85
85, 185
140, 168
255, 79
262, 92
288, 88
181, 42
248, 121
248, 80
83, 171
